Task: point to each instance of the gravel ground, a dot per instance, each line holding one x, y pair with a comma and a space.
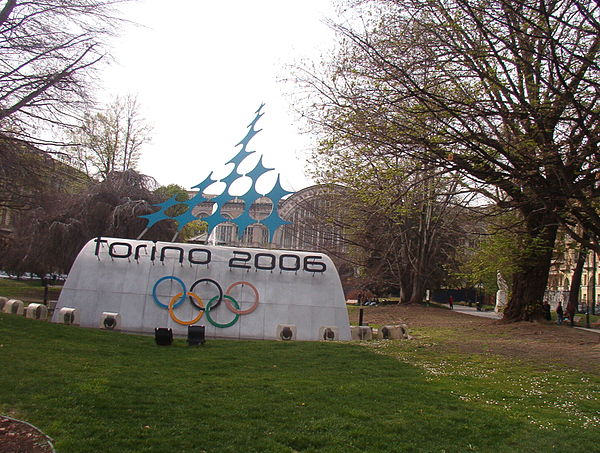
537, 342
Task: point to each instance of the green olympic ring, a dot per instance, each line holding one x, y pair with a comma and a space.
215, 323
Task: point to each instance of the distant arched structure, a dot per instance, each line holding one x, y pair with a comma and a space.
310, 211
312, 216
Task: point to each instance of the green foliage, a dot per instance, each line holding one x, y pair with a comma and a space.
103, 391
500, 250
400, 216
193, 228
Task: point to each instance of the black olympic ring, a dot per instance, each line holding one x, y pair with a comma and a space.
211, 306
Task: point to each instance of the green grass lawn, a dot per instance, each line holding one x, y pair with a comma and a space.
27, 290
95, 391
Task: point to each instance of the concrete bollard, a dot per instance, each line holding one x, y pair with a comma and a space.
361, 332
67, 315
14, 306
36, 311
394, 332
328, 333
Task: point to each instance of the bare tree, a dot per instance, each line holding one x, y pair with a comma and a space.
502, 92
111, 140
48, 237
400, 221
47, 49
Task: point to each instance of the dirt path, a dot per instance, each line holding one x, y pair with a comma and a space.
539, 342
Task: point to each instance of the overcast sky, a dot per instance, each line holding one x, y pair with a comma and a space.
201, 69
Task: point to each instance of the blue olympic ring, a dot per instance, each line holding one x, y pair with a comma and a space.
181, 299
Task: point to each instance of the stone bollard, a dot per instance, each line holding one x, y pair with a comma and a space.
3, 301
36, 311
67, 315
394, 332
361, 332
14, 306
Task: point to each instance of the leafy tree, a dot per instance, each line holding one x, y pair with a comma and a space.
497, 250
400, 221
193, 228
501, 92
111, 139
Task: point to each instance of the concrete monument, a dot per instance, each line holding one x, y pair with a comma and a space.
137, 286
235, 292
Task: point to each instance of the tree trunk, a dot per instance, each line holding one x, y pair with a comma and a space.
576, 282
529, 282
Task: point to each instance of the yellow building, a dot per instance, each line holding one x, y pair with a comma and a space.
561, 277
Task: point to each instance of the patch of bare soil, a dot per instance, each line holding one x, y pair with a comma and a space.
535, 342
19, 437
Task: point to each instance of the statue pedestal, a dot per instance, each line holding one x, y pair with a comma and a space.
500, 301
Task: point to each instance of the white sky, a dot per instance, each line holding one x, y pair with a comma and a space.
201, 69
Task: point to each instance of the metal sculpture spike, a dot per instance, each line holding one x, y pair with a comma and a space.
272, 222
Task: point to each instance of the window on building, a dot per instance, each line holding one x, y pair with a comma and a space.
248, 237
226, 232
264, 235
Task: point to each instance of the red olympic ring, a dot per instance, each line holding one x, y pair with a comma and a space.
179, 321
235, 310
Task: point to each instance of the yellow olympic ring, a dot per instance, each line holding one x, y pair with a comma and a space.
235, 310
179, 321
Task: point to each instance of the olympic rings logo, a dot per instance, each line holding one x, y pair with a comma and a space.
232, 304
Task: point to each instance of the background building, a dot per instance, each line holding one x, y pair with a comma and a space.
310, 228
562, 274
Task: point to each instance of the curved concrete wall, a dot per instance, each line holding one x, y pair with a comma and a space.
145, 283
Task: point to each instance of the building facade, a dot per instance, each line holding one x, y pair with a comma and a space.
561, 276
308, 229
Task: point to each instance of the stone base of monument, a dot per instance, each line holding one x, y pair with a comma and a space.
394, 332
67, 315
110, 321
329, 333
286, 332
14, 306
36, 311
361, 332
501, 300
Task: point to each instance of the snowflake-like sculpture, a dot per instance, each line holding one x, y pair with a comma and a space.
272, 221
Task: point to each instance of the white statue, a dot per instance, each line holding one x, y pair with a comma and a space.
501, 294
